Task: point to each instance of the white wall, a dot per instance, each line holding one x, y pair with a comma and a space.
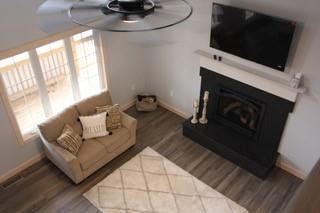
18, 22
125, 66
124, 59
11, 153
163, 62
173, 68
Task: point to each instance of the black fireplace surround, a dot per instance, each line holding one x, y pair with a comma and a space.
245, 124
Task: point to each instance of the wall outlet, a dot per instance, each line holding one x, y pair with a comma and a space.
133, 87
171, 93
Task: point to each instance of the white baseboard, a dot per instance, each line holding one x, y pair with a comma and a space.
285, 166
173, 109
22, 167
126, 106
290, 169
40, 156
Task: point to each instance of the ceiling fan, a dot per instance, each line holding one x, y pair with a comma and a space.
112, 15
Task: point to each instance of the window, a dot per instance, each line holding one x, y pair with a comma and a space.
43, 81
56, 74
22, 90
85, 58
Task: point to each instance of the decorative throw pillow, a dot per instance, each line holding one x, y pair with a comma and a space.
113, 120
69, 140
94, 125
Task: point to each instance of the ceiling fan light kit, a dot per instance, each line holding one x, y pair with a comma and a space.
113, 15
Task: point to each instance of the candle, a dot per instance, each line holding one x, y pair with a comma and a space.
206, 95
195, 103
203, 119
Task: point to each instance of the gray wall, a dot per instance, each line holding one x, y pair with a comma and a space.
125, 62
21, 28
173, 69
124, 59
163, 62
11, 153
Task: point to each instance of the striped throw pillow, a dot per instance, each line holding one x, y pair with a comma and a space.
113, 120
69, 140
94, 125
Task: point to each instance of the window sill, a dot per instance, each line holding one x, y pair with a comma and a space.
29, 138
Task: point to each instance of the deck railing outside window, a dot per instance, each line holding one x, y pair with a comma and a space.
41, 82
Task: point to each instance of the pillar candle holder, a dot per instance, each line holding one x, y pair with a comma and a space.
203, 119
194, 119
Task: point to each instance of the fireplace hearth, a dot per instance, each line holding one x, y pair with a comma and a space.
245, 123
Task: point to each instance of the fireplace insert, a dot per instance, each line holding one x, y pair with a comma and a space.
239, 112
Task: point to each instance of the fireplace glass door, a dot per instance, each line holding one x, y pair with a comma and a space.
239, 112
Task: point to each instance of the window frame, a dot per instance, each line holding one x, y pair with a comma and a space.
66, 37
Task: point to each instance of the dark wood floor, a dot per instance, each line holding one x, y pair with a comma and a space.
43, 188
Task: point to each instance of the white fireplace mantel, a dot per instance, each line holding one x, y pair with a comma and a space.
259, 80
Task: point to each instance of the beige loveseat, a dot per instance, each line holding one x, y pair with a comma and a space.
93, 153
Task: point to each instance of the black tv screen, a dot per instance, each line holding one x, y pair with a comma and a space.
250, 35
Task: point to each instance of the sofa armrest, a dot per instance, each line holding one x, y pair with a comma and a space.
130, 123
64, 160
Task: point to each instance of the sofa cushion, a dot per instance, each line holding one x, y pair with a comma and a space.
88, 105
90, 152
94, 125
114, 141
113, 119
77, 127
52, 128
69, 140
70, 116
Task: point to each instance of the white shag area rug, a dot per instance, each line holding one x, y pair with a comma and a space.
151, 183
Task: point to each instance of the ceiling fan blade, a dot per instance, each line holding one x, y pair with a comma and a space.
126, 23
54, 24
158, 6
120, 23
88, 4
162, 1
58, 15
53, 14
85, 15
168, 16
61, 6
51, 6
108, 21
169, 2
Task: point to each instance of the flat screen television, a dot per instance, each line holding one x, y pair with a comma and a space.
250, 35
